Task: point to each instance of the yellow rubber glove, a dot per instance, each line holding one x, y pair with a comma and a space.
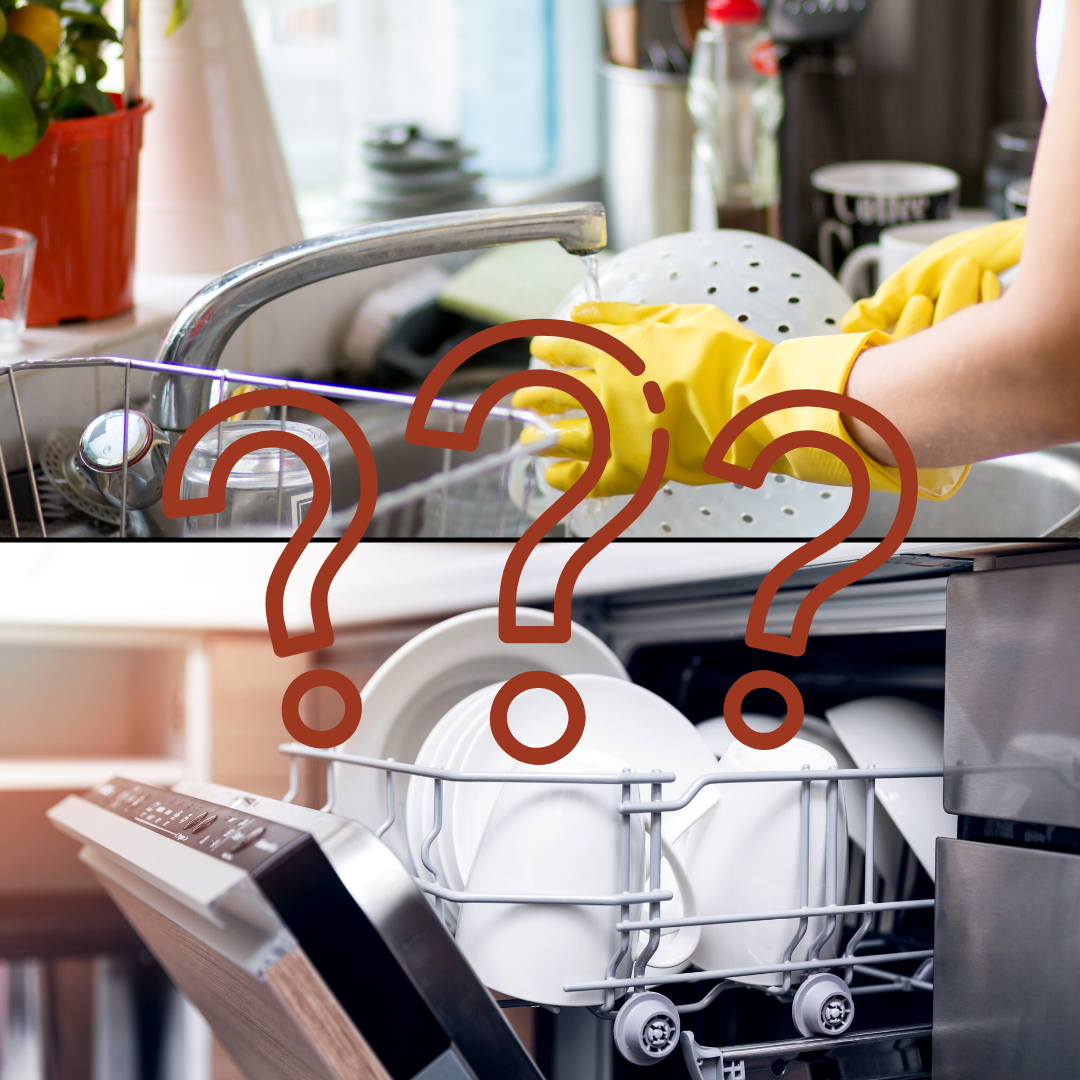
953, 274
708, 367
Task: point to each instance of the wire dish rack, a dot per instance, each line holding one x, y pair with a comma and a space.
428, 492
861, 955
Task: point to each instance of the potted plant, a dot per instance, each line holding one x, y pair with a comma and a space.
69, 157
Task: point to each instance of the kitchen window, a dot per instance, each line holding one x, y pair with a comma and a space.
516, 81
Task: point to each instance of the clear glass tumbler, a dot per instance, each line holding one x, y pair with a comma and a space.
16, 273
255, 501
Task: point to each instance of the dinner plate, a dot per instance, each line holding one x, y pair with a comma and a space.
622, 720
420, 798
891, 732
439, 667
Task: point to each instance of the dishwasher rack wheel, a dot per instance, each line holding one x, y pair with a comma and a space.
647, 1028
823, 1006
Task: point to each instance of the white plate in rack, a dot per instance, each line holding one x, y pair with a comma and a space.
892, 732
425, 678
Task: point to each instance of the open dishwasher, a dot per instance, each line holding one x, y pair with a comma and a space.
964, 967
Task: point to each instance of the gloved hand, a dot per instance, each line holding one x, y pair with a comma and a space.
709, 367
954, 273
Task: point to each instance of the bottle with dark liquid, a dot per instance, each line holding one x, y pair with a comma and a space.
737, 102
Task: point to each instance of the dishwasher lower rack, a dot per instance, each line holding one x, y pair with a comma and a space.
428, 492
647, 1024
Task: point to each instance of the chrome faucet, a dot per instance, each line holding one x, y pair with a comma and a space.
201, 330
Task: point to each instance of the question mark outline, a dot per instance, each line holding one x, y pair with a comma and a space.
754, 476
469, 439
322, 636
213, 502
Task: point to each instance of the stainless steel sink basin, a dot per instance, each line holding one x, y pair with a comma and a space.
1021, 497
479, 507
1029, 495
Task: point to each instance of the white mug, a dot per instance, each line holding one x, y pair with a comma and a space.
856, 200
745, 857
551, 839
898, 246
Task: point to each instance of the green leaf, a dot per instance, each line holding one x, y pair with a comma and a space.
81, 99
18, 122
91, 24
22, 61
1, 288
180, 11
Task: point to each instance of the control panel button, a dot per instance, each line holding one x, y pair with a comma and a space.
205, 822
247, 838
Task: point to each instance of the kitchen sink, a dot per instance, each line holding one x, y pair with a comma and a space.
1019, 497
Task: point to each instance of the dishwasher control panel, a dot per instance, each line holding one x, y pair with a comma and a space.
227, 833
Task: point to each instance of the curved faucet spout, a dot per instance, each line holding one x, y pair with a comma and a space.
211, 317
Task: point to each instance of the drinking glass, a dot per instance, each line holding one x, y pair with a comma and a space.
268, 490
16, 271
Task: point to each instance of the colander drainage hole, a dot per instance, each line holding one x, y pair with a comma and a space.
789, 511
738, 487
665, 527
794, 299
830, 321
784, 328
748, 518
754, 288
744, 318
748, 245
714, 262
673, 275
705, 512
826, 495
778, 479
711, 289
755, 263
795, 273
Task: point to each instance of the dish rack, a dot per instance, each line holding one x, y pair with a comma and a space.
467, 495
655, 1032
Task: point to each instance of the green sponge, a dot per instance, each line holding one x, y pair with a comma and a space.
518, 281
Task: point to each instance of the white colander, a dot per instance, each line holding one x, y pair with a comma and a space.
774, 290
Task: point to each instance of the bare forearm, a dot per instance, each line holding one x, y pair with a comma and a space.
999, 378
989, 381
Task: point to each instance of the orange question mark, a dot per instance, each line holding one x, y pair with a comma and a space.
322, 635
754, 477
468, 439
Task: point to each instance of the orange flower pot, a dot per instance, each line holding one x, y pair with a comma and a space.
76, 191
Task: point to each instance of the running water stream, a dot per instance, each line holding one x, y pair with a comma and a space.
590, 267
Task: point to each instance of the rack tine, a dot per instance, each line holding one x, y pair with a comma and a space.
624, 886
124, 453
447, 461
655, 856
294, 779
7, 496
281, 463
804, 880
425, 847
331, 788
831, 839
868, 877
29, 460
391, 804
